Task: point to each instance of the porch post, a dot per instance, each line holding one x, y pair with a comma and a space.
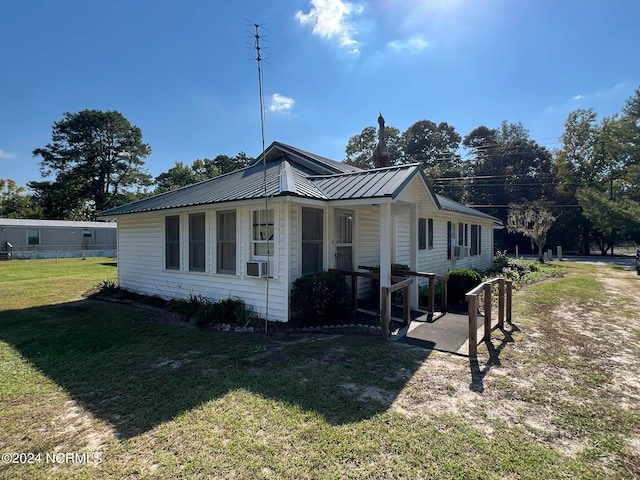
385, 265
413, 255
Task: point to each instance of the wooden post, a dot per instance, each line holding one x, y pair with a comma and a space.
354, 292
509, 294
384, 316
501, 302
487, 312
444, 289
406, 311
473, 325
432, 294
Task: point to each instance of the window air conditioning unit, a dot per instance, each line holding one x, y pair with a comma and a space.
257, 269
456, 251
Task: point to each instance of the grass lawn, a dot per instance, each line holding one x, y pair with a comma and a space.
127, 395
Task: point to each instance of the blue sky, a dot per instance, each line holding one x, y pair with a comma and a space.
185, 73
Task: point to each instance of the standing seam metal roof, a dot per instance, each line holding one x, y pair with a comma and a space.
290, 171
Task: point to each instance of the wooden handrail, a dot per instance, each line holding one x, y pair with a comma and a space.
472, 299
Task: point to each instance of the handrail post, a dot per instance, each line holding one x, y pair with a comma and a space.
432, 294
501, 302
354, 292
384, 319
445, 293
406, 311
487, 312
509, 304
473, 325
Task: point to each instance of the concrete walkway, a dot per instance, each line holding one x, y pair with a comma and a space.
446, 333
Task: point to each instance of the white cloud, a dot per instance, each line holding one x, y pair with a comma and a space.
332, 19
280, 103
577, 97
414, 44
6, 155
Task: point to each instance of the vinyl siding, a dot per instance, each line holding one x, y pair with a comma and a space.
141, 264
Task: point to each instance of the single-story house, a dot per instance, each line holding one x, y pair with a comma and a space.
27, 238
289, 214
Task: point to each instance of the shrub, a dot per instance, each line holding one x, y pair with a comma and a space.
230, 310
423, 294
319, 297
107, 287
460, 282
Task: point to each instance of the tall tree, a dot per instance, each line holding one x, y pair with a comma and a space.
360, 148
97, 155
433, 145
575, 169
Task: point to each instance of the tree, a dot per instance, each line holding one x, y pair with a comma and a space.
360, 148
15, 202
434, 146
533, 220
181, 175
97, 156
505, 165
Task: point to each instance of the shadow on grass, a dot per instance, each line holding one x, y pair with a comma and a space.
477, 373
136, 374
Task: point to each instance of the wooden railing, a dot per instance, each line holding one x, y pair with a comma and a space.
505, 291
401, 283
432, 283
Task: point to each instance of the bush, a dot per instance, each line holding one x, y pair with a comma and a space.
107, 287
319, 298
423, 294
230, 310
460, 282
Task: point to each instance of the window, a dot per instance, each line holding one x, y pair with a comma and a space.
33, 236
226, 245
422, 234
262, 233
172, 242
87, 233
430, 234
196, 242
474, 239
461, 234
312, 233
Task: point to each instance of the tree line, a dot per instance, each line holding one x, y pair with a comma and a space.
590, 184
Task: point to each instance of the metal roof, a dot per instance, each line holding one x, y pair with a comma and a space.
381, 182
27, 222
453, 206
291, 171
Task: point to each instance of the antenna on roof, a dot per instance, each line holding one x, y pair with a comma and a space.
258, 52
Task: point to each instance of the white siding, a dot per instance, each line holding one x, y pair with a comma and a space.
402, 239
367, 250
141, 264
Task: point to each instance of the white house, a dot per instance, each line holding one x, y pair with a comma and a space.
287, 215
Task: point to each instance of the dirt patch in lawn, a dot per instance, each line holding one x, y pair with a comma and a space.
567, 377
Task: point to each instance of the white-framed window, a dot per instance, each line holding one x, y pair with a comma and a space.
172, 242
262, 233
476, 239
430, 234
422, 233
33, 236
312, 240
197, 255
226, 244
87, 233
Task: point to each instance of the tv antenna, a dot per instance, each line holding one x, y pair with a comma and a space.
258, 56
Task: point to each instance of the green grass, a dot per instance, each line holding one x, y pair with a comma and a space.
159, 400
